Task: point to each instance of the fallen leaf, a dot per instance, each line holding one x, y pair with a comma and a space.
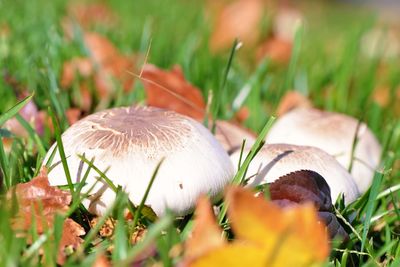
290, 101
39, 201
87, 15
170, 90
276, 49
301, 187
206, 235
104, 68
239, 19
381, 96
307, 186
73, 115
242, 114
78, 65
101, 261
265, 235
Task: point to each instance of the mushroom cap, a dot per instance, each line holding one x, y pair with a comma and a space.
231, 136
333, 133
127, 144
276, 160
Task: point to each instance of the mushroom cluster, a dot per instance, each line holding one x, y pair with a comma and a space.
128, 143
334, 133
338, 147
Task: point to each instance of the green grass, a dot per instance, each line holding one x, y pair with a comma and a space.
326, 65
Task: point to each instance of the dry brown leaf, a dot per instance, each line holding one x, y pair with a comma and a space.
105, 66
301, 187
101, 261
170, 90
87, 15
78, 65
276, 49
290, 101
307, 186
39, 201
381, 96
242, 114
138, 235
73, 115
240, 19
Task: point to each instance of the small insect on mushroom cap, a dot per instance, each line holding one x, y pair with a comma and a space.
127, 144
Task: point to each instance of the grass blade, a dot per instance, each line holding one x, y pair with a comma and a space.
141, 205
14, 110
373, 193
240, 175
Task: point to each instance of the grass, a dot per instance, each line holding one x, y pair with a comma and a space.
326, 65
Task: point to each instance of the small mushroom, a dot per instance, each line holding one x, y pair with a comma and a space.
276, 160
231, 136
127, 143
333, 133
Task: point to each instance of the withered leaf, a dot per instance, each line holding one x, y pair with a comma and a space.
278, 50
265, 234
307, 186
303, 186
239, 19
105, 67
87, 15
170, 90
206, 235
39, 201
290, 101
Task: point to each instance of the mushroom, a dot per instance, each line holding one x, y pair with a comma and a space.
333, 133
276, 160
231, 136
127, 144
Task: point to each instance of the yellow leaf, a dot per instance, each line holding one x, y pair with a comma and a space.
265, 234
206, 234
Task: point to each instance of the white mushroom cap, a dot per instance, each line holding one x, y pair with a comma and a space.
333, 133
276, 160
231, 136
127, 143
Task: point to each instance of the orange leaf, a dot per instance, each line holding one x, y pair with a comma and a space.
276, 49
39, 201
290, 101
240, 19
170, 90
265, 235
206, 234
255, 220
104, 66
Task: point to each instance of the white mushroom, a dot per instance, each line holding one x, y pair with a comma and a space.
276, 160
231, 136
333, 133
127, 144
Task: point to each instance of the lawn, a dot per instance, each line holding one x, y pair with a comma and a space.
343, 58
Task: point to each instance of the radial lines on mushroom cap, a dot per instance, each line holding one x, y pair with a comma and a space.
134, 128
